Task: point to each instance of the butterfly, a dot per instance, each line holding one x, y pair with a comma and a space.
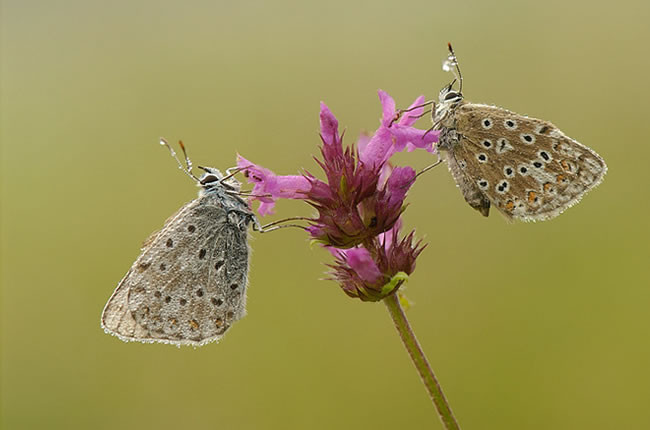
525, 167
188, 285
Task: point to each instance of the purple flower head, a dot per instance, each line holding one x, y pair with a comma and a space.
373, 272
363, 196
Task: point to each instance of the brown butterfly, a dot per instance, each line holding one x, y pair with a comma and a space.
526, 167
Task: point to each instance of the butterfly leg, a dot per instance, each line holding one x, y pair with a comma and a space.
230, 172
275, 225
426, 112
426, 169
400, 112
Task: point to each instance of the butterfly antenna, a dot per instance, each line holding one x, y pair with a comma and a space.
188, 164
454, 61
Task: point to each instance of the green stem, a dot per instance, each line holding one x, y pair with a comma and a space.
420, 361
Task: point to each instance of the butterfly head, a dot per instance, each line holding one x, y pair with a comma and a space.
213, 178
448, 100
448, 95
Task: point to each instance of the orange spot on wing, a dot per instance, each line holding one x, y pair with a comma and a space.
194, 324
510, 205
565, 165
532, 195
547, 187
560, 178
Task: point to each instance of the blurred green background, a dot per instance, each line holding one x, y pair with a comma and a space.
528, 326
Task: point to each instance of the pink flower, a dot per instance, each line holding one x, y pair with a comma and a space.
359, 203
363, 195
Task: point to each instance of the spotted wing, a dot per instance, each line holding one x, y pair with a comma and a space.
527, 168
467, 184
189, 283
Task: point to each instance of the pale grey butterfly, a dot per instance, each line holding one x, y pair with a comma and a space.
188, 285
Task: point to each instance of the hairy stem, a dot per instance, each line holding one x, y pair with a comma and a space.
420, 361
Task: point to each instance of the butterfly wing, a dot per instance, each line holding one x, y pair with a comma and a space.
473, 195
526, 167
189, 283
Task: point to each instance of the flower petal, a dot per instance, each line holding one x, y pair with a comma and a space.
278, 186
410, 117
266, 208
399, 182
363, 141
254, 172
379, 148
410, 137
388, 108
329, 125
288, 187
360, 260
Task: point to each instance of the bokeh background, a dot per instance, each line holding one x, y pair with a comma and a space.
528, 326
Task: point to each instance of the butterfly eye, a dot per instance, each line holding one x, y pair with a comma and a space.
452, 95
207, 178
